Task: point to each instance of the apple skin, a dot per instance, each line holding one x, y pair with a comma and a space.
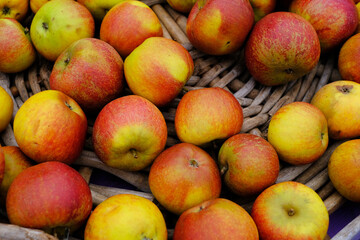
110, 219
290, 210
99, 8
219, 27
15, 162
262, 8
299, 133
16, 50
49, 195
183, 176
57, 24
183, 6
333, 20
2, 164
232, 222
358, 10
339, 103
35, 5
16, 9
208, 114
158, 69
128, 24
7, 106
343, 169
349, 59
50, 126
91, 72
248, 163
129, 133
282, 47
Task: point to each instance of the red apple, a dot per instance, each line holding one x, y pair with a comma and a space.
344, 169
50, 126
290, 210
128, 24
158, 69
49, 195
90, 71
16, 9
333, 20
349, 59
358, 10
232, 222
281, 48
219, 27
129, 133
16, 51
207, 114
262, 8
183, 176
248, 163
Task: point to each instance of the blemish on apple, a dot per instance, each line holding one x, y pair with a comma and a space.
345, 89
45, 26
6, 10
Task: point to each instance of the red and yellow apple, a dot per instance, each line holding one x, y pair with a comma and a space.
128, 24
49, 195
262, 8
15, 163
219, 27
232, 222
344, 169
99, 8
339, 102
282, 47
183, 6
358, 10
248, 163
35, 5
57, 24
129, 133
349, 59
7, 109
16, 50
16, 9
50, 126
290, 210
333, 20
183, 176
158, 69
207, 114
299, 133
126, 216
90, 71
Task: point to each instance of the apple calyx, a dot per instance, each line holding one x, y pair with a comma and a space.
26, 31
67, 60
45, 26
345, 89
134, 152
291, 212
289, 71
68, 105
194, 163
6, 10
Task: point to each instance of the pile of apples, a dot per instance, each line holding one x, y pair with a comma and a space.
112, 63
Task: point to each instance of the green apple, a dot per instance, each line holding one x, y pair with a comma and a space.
57, 24
99, 8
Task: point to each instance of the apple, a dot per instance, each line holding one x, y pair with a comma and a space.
208, 114
35, 5
50, 126
90, 71
183, 6
158, 69
290, 210
16, 9
15, 163
231, 222
349, 59
129, 133
219, 27
333, 20
339, 102
16, 50
6, 111
183, 176
126, 216
282, 47
57, 24
99, 8
343, 169
262, 8
49, 195
2, 164
299, 133
358, 10
128, 24
248, 163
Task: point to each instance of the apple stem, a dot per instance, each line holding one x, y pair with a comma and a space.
133, 152
68, 105
194, 163
291, 212
223, 170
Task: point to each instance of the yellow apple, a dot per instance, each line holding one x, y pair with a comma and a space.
35, 5
99, 8
6, 109
16, 9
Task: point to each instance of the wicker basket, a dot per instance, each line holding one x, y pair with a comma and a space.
229, 72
